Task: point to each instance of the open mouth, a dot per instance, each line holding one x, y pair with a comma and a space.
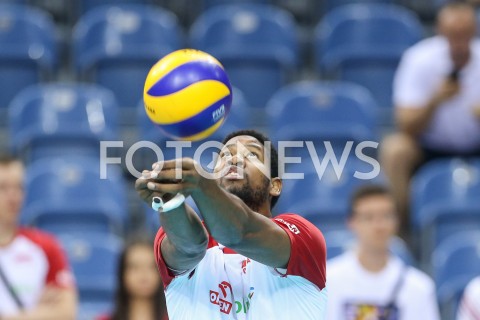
233, 174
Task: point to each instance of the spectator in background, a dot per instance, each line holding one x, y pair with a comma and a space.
35, 279
140, 293
369, 282
437, 100
469, 308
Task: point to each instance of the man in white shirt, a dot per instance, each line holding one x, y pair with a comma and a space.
469, 308
240, 263
369, 282
437, 100
35, 279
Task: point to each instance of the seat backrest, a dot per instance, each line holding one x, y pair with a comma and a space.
452, 182
126, 32
64, 110
322, 104
372, 27
27, 33
455, 262
332, 4
248, 31
324, 188
94, 259
74, 188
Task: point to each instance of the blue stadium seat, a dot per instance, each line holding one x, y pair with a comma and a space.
342, 240
117, 45
363, 43
335, 112
211, 3
61, 119
69, 194
323, 201
333, 4
28, 50
94, 259
87, 5
455, 262
445, 200
256, 43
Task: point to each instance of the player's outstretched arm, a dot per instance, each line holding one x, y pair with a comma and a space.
186, 239
229, 220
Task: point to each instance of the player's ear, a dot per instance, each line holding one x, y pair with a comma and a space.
275, 187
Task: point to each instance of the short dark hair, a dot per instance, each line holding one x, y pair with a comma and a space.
6, 158
366, 191
273, 152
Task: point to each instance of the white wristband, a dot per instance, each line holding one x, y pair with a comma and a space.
175, 202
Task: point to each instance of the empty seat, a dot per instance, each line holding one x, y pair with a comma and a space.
445, 200
256, 43
322, 196
71, 194
332, 4
60, 119
94, 259
363, 43
455, 262
86, 5
324, 113
116, 46
28, 50
211, 3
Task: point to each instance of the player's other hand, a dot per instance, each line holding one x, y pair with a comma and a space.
167, 178
447, 90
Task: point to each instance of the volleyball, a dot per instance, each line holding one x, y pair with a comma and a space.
187, 94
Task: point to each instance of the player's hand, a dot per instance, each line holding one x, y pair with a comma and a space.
50, 296
169, 178
476, 112
447, 90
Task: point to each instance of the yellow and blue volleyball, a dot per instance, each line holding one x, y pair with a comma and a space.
187, 94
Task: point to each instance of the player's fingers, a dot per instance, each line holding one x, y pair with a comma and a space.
168, 175
183, 163
173, 188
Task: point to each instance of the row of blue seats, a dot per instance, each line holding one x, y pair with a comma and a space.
71, 118
82, 6
258, 44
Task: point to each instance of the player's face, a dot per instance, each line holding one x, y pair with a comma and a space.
141, 276
11, 192
244, 166
374, 221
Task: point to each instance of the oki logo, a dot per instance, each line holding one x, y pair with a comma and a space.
225, 306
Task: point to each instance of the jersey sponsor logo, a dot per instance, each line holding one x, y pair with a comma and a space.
370, 312
223, 298
290, 226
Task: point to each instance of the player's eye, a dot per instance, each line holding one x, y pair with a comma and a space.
252, 155
225, 154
